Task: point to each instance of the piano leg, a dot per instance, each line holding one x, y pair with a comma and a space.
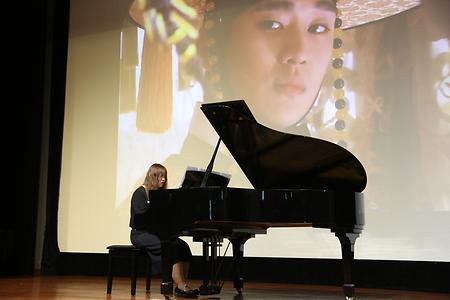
210, 284
205, 260
347, 241
166, 266
238, 254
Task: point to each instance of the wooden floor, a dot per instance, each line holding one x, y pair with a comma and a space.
86, 287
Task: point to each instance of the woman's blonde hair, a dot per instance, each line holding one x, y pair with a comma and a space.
153, 174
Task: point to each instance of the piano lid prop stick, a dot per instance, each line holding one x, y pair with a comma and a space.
210, 165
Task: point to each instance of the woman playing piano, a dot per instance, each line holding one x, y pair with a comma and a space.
156, 178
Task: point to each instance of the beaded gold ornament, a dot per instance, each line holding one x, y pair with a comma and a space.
340, 102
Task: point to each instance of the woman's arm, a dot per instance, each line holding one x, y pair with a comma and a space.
139, 201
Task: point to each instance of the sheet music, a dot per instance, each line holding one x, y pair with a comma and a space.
197, 169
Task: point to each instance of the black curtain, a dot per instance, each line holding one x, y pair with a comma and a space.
34, 40
58, 14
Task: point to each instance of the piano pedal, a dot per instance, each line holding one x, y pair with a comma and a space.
210, 289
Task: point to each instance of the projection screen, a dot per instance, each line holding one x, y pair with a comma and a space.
132, 101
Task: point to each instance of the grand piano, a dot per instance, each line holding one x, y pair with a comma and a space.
298, 181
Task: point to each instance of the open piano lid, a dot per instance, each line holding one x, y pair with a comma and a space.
277, 160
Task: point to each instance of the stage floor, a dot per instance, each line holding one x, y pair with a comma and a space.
93, 287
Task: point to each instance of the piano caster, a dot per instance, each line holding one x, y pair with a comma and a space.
238, 284
239, 295
349, 291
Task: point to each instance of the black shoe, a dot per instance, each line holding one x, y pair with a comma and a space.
186, 294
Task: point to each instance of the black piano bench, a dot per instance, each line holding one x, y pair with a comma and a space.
131, 252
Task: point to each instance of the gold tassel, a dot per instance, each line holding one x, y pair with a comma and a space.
154, 106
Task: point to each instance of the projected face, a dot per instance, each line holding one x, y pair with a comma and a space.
279, 51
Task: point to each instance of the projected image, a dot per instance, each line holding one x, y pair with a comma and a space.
370, 76
299, 68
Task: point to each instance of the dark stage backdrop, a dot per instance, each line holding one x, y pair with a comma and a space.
35, 61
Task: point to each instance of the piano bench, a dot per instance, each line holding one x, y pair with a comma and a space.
131, 252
